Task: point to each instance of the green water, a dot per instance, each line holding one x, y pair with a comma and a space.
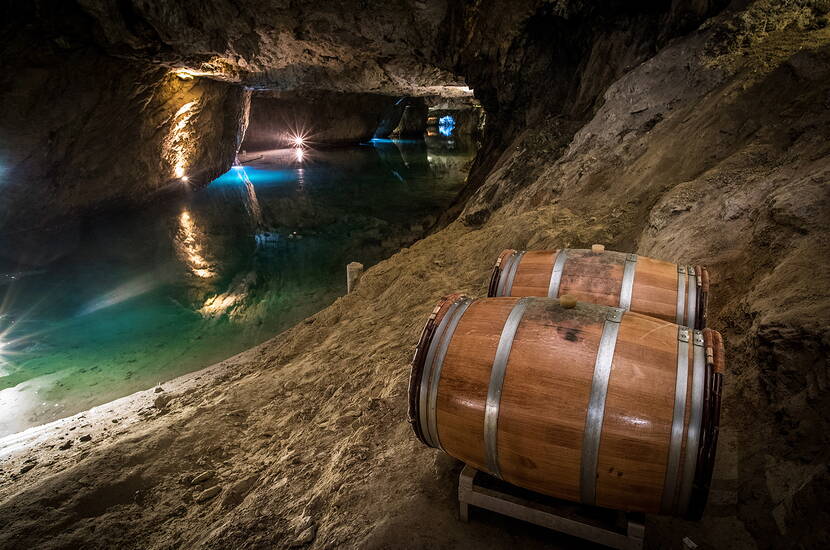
138, 298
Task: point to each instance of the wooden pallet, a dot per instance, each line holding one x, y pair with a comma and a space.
608, 527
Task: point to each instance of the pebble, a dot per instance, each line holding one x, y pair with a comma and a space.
161, 401
305, 530
305, 537
208, 494
204, 476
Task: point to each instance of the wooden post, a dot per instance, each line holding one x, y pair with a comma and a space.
353, 272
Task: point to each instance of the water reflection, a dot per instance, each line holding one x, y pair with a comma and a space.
141, 297
190, 249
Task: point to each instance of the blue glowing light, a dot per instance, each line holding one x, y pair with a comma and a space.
258, 176
446, 124
375, 141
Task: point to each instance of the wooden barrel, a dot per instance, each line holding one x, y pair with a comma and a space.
590, 403
676, 293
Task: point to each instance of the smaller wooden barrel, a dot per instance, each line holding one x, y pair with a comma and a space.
586, 403
676, 293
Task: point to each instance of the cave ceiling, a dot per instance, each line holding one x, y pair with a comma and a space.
353, 46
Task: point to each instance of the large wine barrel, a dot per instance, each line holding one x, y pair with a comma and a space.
661, 289
591, 403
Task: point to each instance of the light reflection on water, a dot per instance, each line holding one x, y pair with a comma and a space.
140, 297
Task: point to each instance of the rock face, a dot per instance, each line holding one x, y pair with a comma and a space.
321, 118
346, 45
533, 62
68, 146
80, 130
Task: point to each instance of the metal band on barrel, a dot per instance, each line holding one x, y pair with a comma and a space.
556, 273
691, 305
695, 419
491, 410
503, 274
596, 406
432, 368
678, 419
514, 267
436, 371
423, 395
628, 281
681, 295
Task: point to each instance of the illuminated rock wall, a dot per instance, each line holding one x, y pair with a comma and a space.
90, 132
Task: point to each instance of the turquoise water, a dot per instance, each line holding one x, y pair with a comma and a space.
135, 299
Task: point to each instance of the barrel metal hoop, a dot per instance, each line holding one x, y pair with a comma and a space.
695, 420
514, 267
596, 407
691, 305
505, 268
491, 411
681, 295
439, 365
423, 394
628, 281
678, 419
432, 367
556, 273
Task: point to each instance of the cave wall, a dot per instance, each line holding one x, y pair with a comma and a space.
323, 118
113, 137
531, 62
81, 131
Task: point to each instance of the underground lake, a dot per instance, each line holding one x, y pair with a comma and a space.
136, 298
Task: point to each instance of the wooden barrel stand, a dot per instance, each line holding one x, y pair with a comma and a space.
589, 404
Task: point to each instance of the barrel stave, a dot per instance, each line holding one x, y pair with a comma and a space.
533, 275
637, 424
593, 277
542, 411
465, 379
655, 288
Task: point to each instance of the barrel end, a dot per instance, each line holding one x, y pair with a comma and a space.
713, 389
703, 296
419, 359
495, 277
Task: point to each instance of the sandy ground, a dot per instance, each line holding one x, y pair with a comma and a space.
715, 151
